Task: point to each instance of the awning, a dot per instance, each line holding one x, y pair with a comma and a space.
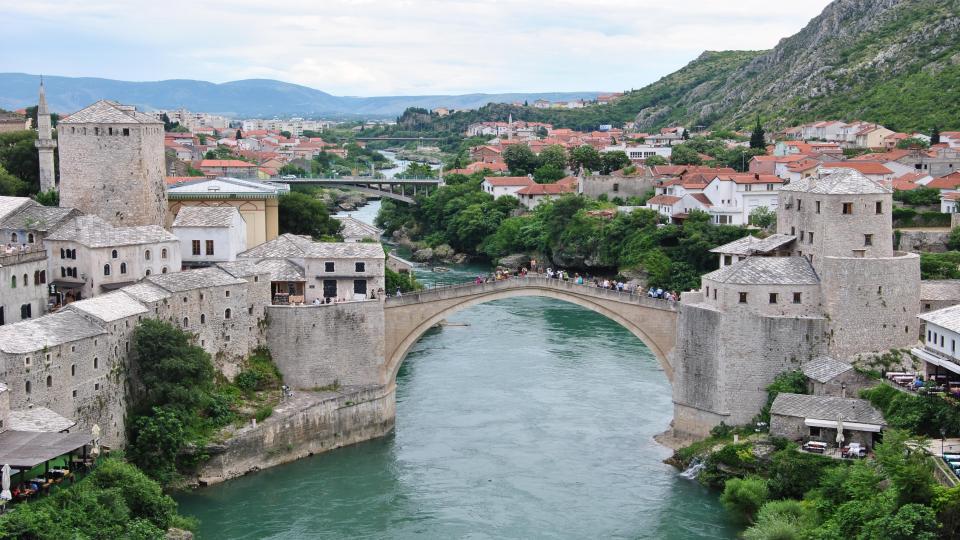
65, 284
931, 358
24, 449
115, 286
852, 426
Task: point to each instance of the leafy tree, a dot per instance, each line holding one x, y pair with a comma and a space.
289, 168
911, 522
48, 198
171, 369
555, 155
587, 158
935, 136
940, 265
286, 134
744, 496
763, 217
548, 173
19, 157
684, 154
758, 138
912, 142
655, 160
792, 473
921, 196
780, 520
395, 280
155, 442
520, 159
239, 135
613, 161
12, 186
303, 214
953, 241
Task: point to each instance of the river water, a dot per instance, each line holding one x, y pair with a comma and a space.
522, 418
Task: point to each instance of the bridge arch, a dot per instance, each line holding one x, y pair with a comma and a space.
409, 317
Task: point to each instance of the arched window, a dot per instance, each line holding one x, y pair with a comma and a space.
73, 254
163, 270
30, 238
13, 282
186, 322
96, 362
123, 268
203, 319
14, 237
49, 381
26, 386
226, 313
36, 277
26, 280
146, 255
163, 253
43, 277
113, 254
147, 273
106, 269
63, 253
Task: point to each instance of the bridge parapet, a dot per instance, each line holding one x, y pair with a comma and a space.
445, 292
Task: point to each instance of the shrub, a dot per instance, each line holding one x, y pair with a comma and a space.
794, 473
779, 520
744, 496
262, 413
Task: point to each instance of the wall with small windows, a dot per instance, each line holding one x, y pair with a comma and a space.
343, 278
770, 300
23, 288
104, 269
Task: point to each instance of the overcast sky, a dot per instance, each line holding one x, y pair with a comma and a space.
379, 47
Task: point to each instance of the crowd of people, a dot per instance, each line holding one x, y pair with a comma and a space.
587, 280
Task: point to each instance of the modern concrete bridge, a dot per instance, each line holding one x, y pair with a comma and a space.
406, 318
400, 189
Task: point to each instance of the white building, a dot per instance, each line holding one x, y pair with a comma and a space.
88, 256
940, 339
734, 196
209, 234
640, 152
498, 186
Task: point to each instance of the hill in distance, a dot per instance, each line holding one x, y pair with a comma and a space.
246, 98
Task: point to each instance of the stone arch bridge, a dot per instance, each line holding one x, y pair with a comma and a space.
406, 318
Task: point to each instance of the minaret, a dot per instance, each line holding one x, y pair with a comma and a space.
45, 143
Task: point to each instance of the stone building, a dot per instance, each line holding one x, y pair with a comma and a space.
800, 417
334, 270
112, 164
88, 256
355, 230
209, 234
828, 284
45, 144
23, 285
31, 223
830, 377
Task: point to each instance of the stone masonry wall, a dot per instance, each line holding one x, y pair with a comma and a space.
315, 346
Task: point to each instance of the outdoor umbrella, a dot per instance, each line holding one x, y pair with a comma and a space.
95, 431
839, 430
5, 494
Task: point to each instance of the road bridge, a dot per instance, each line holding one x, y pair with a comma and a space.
399, 189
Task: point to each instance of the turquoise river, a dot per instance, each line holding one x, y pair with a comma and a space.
522, 418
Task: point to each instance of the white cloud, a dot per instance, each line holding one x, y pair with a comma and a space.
379, 47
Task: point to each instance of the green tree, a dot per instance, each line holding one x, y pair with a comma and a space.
12, 186
587, 158
684, 154
744, 496
555, 155
912, 142
19, 157
653, 161
780, 520
613, 161
303, 214
155, 442
547, 174
953, 241
911, 522
935, 136
520, 159
239, 135
48, 198
289, 168
763, 217
285, 134
172, 370
758, 138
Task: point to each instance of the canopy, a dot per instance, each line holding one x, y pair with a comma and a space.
832, 424
25, 449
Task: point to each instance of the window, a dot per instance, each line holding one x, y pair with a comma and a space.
49, 381
743, 298
146, 255
929, 333
73, 370
43, 277
328, 267
727, 260
814, 432
36, 277
799, 204
106, 269
147, 273
848, 208
209, 247
123, 268
879, 207
30, 238
203, 319
113, 254
360, 267
818, 206
714, 294
26, 311
810, 237
616, 188
226, 313
868, 239
126, 132
163, 270
796, 298
801, 236
13, 282
26, 280
360, 286
793, 231
196, 247
773, 298
708, 292
26, 387
226, 294
14, 238
163, 253
186, 322
329, 288
74, 393
63, 254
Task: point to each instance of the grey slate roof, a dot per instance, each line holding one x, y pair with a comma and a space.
145, 292
838, 182
94, 232
826, 408
748, 245
222, 187
109, 307
8, 205
940, 289
948, 317
239, 268
194, 279
205, 216
47, 331
38, 420
767, 271
109, 112
281, 270
354, 228
291, 245
824, 368
38, 218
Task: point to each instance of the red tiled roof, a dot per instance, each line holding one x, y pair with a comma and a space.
177, 179
752, 178
668, 200
702, 198
507, 181
225, 163
950, 181
952, 196
546, 189
907, 181
882, 157
864, 167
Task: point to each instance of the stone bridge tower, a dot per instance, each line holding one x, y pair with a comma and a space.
45, 144
112, 164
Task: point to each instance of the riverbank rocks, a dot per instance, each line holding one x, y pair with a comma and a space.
423, 255
174, 533
515, 261
923, 241
443, 252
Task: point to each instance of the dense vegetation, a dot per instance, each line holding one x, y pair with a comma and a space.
116, 501
940, 265
565, 230
303, 213
19, 164
920, 414
181, 401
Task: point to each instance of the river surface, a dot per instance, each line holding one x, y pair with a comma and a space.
522, 418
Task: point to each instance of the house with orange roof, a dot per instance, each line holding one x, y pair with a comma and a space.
945, 184
797, 170
877, 172
950, 138
775, 164
500, 186
911, 181
533, 195
486, 154
231, 168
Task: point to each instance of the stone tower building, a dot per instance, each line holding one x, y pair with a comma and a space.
112, 164
45, 143
828, 284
